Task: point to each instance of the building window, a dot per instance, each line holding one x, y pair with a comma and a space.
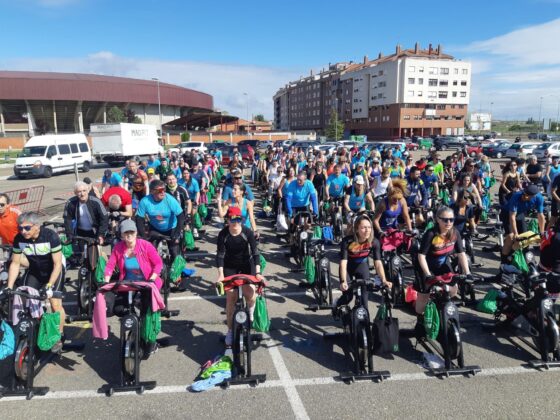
454, 82
380, 72
410, 93
440, 107
432, 70
412, 69
388, 117
406, 117
463, 94
444, 70
443, 83
465, 71
463, 83
419, 93
421, 69
432, 94
432, 82
455, 71
454, 94
381, 84
442, 94
461, 106
411, 80
420, 81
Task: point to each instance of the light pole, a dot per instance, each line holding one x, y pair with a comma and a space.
155, 79
336, 119
539, 123
491, 117
247, 95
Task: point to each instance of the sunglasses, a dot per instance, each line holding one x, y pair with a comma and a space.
235, 220
447, 219
25, 228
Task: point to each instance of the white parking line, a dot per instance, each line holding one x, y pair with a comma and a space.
285, 381
288, 384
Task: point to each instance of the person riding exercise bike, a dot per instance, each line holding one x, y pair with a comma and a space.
354, 253
438, 243
42, 247
165, 216
237, 254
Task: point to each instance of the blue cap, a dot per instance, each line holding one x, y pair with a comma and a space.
115, 179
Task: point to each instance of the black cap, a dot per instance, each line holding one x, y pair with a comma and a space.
531, 190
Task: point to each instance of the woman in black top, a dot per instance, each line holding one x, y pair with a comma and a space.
237, 254
511, 182
319, 179
354, 252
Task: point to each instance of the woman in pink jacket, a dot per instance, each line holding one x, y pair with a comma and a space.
136, 259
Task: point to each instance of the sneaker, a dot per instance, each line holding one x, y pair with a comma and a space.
229, 338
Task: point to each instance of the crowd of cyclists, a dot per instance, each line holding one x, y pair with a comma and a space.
423, 207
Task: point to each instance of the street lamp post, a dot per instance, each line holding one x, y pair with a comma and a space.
491, 116
159, 106
539, 123
336, 119
247, 95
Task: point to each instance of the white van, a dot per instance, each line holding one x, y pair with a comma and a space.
53, 153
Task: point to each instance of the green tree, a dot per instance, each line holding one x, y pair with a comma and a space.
335, 129
186, 136
259, 117
115, 115
131, 117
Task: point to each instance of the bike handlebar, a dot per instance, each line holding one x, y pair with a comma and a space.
55, 224
158, 236
8, 248
5, 293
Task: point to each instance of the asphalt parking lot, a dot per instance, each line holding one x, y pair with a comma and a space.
301, 367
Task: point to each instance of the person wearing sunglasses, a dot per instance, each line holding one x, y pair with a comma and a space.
236, 177
438, 243
237, 254
431, 181
164, 214
8, 220
132, 172
42, 248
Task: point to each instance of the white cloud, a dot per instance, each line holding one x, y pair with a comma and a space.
515, 69
225, 82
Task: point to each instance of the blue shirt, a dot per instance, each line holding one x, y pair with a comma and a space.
517, 205
337, 185
153, 164
192, 188
132, 269
162, 214
416, 187
299, 196
429, 180
227, 194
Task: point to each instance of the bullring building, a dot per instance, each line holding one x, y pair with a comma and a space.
34, 103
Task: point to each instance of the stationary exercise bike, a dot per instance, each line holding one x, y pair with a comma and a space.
243, 340
160, 241
131, 343
357, 332
448, 341
29, 360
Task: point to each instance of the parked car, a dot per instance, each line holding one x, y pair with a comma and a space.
521, 149
546, 150
285, 144
469, 137
549, 137
533, 136
474, 148
496, 149
444, 143
189, 146
307, 144
349, 144
247, 153
328, 147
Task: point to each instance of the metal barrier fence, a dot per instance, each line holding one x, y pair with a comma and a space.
27, 199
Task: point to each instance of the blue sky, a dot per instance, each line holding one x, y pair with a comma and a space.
226, 48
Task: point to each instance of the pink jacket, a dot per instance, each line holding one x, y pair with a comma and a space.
149, 260
100, 326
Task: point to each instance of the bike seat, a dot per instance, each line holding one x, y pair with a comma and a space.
510, 269
315, 242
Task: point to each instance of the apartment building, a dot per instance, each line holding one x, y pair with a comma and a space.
411, 92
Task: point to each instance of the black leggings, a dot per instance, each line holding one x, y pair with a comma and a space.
117, 302
361, 271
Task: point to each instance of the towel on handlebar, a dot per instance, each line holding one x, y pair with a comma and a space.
395, 239
444, 278
100, 327
34, 305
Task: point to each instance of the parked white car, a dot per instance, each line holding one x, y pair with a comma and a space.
189, 146
546, 150
521, 149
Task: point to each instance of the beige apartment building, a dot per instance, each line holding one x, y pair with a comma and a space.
411, 92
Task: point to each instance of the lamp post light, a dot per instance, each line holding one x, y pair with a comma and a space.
247, 95
155, 79
539, 123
